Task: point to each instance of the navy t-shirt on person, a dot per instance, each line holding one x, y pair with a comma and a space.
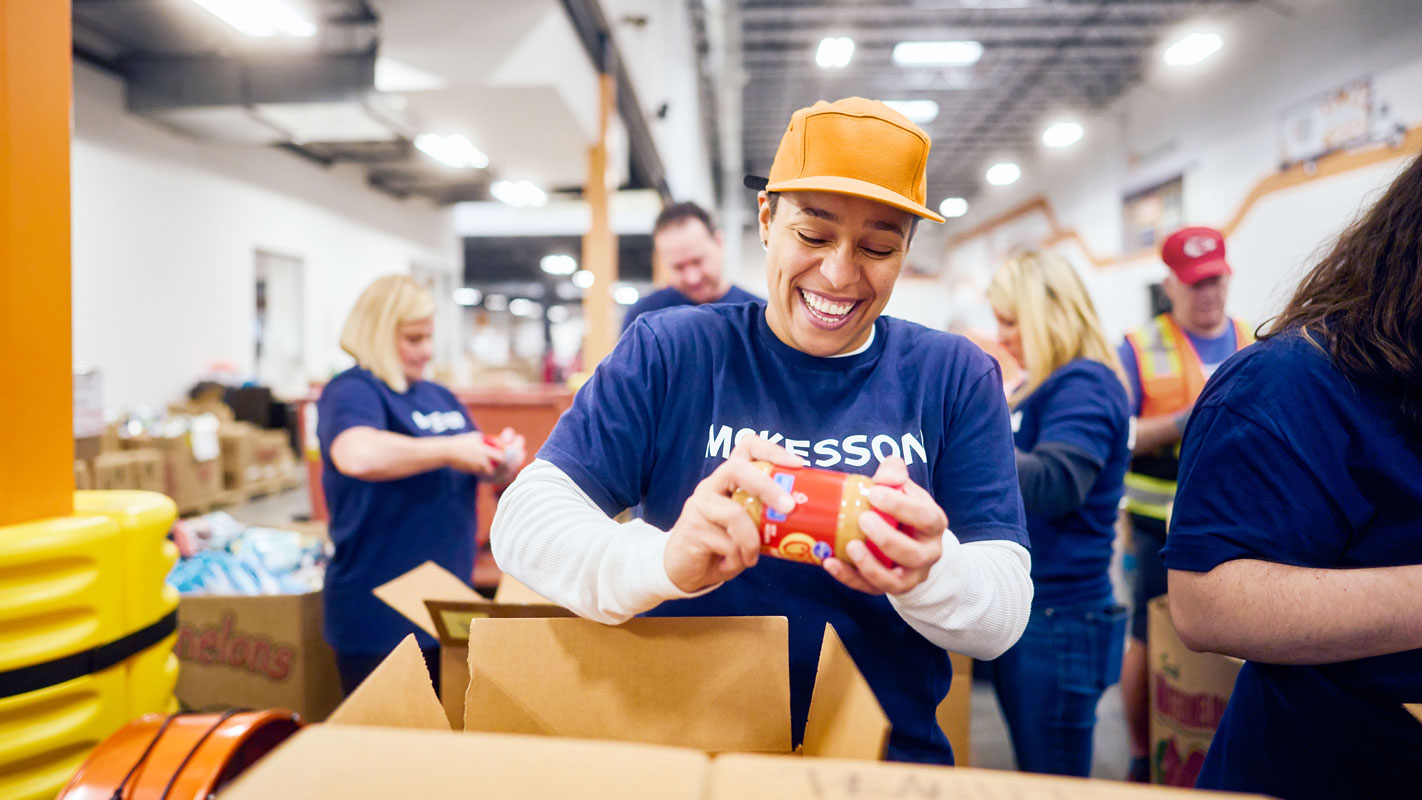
670, 298
382, 529
1082, 405
1212, 353
666, 407
1286, 460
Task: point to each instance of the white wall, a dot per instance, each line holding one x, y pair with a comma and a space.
1216, 125
165, 229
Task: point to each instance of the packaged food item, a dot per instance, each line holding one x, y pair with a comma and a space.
505, 447
825, 519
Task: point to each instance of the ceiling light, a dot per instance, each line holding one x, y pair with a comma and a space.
260, 18
1003, 173
1062, 134
937, 54
557, 313
559, 265
834, 52
583, 279
519, 194
452, 151
523, 307
397, 76
953, 207
468, 296
916, 110
1193, 49
626, 295
496, 302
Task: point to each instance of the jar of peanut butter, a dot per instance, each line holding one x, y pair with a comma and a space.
825, 519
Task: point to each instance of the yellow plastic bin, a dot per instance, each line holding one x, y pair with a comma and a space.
86, 633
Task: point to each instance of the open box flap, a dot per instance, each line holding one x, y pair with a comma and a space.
359, 763
846, 720
1415, 709
760, 777
429, 581
512, 592
706, 683
398, 693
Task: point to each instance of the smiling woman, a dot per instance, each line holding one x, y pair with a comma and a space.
819, 374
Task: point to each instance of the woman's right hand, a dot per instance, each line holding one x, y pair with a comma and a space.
468, 452
714, 539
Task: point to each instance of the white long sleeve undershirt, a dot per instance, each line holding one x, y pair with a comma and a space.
553, 538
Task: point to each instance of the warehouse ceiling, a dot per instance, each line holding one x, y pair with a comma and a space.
1040, 58
516, 79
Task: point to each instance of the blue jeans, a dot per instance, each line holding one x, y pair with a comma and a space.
1048, 684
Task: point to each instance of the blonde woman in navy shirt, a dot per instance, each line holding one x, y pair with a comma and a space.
1297, 538
1071, 423
401, 461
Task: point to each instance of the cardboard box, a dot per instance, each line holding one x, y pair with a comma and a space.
83, 476
1188, 695
112, 471
256, 652
390, 739
955, 713
192, 467
146, 469
239, 469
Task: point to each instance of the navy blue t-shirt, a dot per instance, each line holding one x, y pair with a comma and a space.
1286, 460
1083, 404
666, 407
382, 529
670, 298
1212, 353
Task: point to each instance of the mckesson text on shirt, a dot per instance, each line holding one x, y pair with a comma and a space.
438, 421
857, 449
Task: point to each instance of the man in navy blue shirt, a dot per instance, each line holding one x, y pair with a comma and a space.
690, 249
672, 419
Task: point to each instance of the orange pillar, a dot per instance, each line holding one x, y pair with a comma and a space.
36, 400
599, 243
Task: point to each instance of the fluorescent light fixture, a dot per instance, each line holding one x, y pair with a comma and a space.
559, 265
397, 76
496, 302
523, 307
1062, 134
557, 314
519, 194
260, 18
919, 111
835, 52
468, 296
1192, 49
953, 207
937, 54
1003, 173
583, 279
452, 151
626, 295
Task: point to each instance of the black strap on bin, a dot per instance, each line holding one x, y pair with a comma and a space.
86, 662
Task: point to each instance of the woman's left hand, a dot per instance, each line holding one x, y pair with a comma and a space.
915, 554
511, 456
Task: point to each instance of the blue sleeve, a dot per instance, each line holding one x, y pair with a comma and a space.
1133, 375
604, 442
1084, 411
975, 481
345, 404
1245, 494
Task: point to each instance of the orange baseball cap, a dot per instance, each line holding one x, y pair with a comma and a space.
856, 147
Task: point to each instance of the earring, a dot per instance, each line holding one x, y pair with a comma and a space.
765, 245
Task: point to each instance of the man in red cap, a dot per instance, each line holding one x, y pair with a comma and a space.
1167, 363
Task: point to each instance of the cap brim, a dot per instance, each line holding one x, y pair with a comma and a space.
755, 182
854, 188
1195, 273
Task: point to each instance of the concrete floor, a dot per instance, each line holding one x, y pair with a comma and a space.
991, 746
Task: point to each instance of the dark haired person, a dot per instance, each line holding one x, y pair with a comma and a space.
818, 376
686, 242
1297, 538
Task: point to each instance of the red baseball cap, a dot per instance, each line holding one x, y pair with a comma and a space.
1195, 254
